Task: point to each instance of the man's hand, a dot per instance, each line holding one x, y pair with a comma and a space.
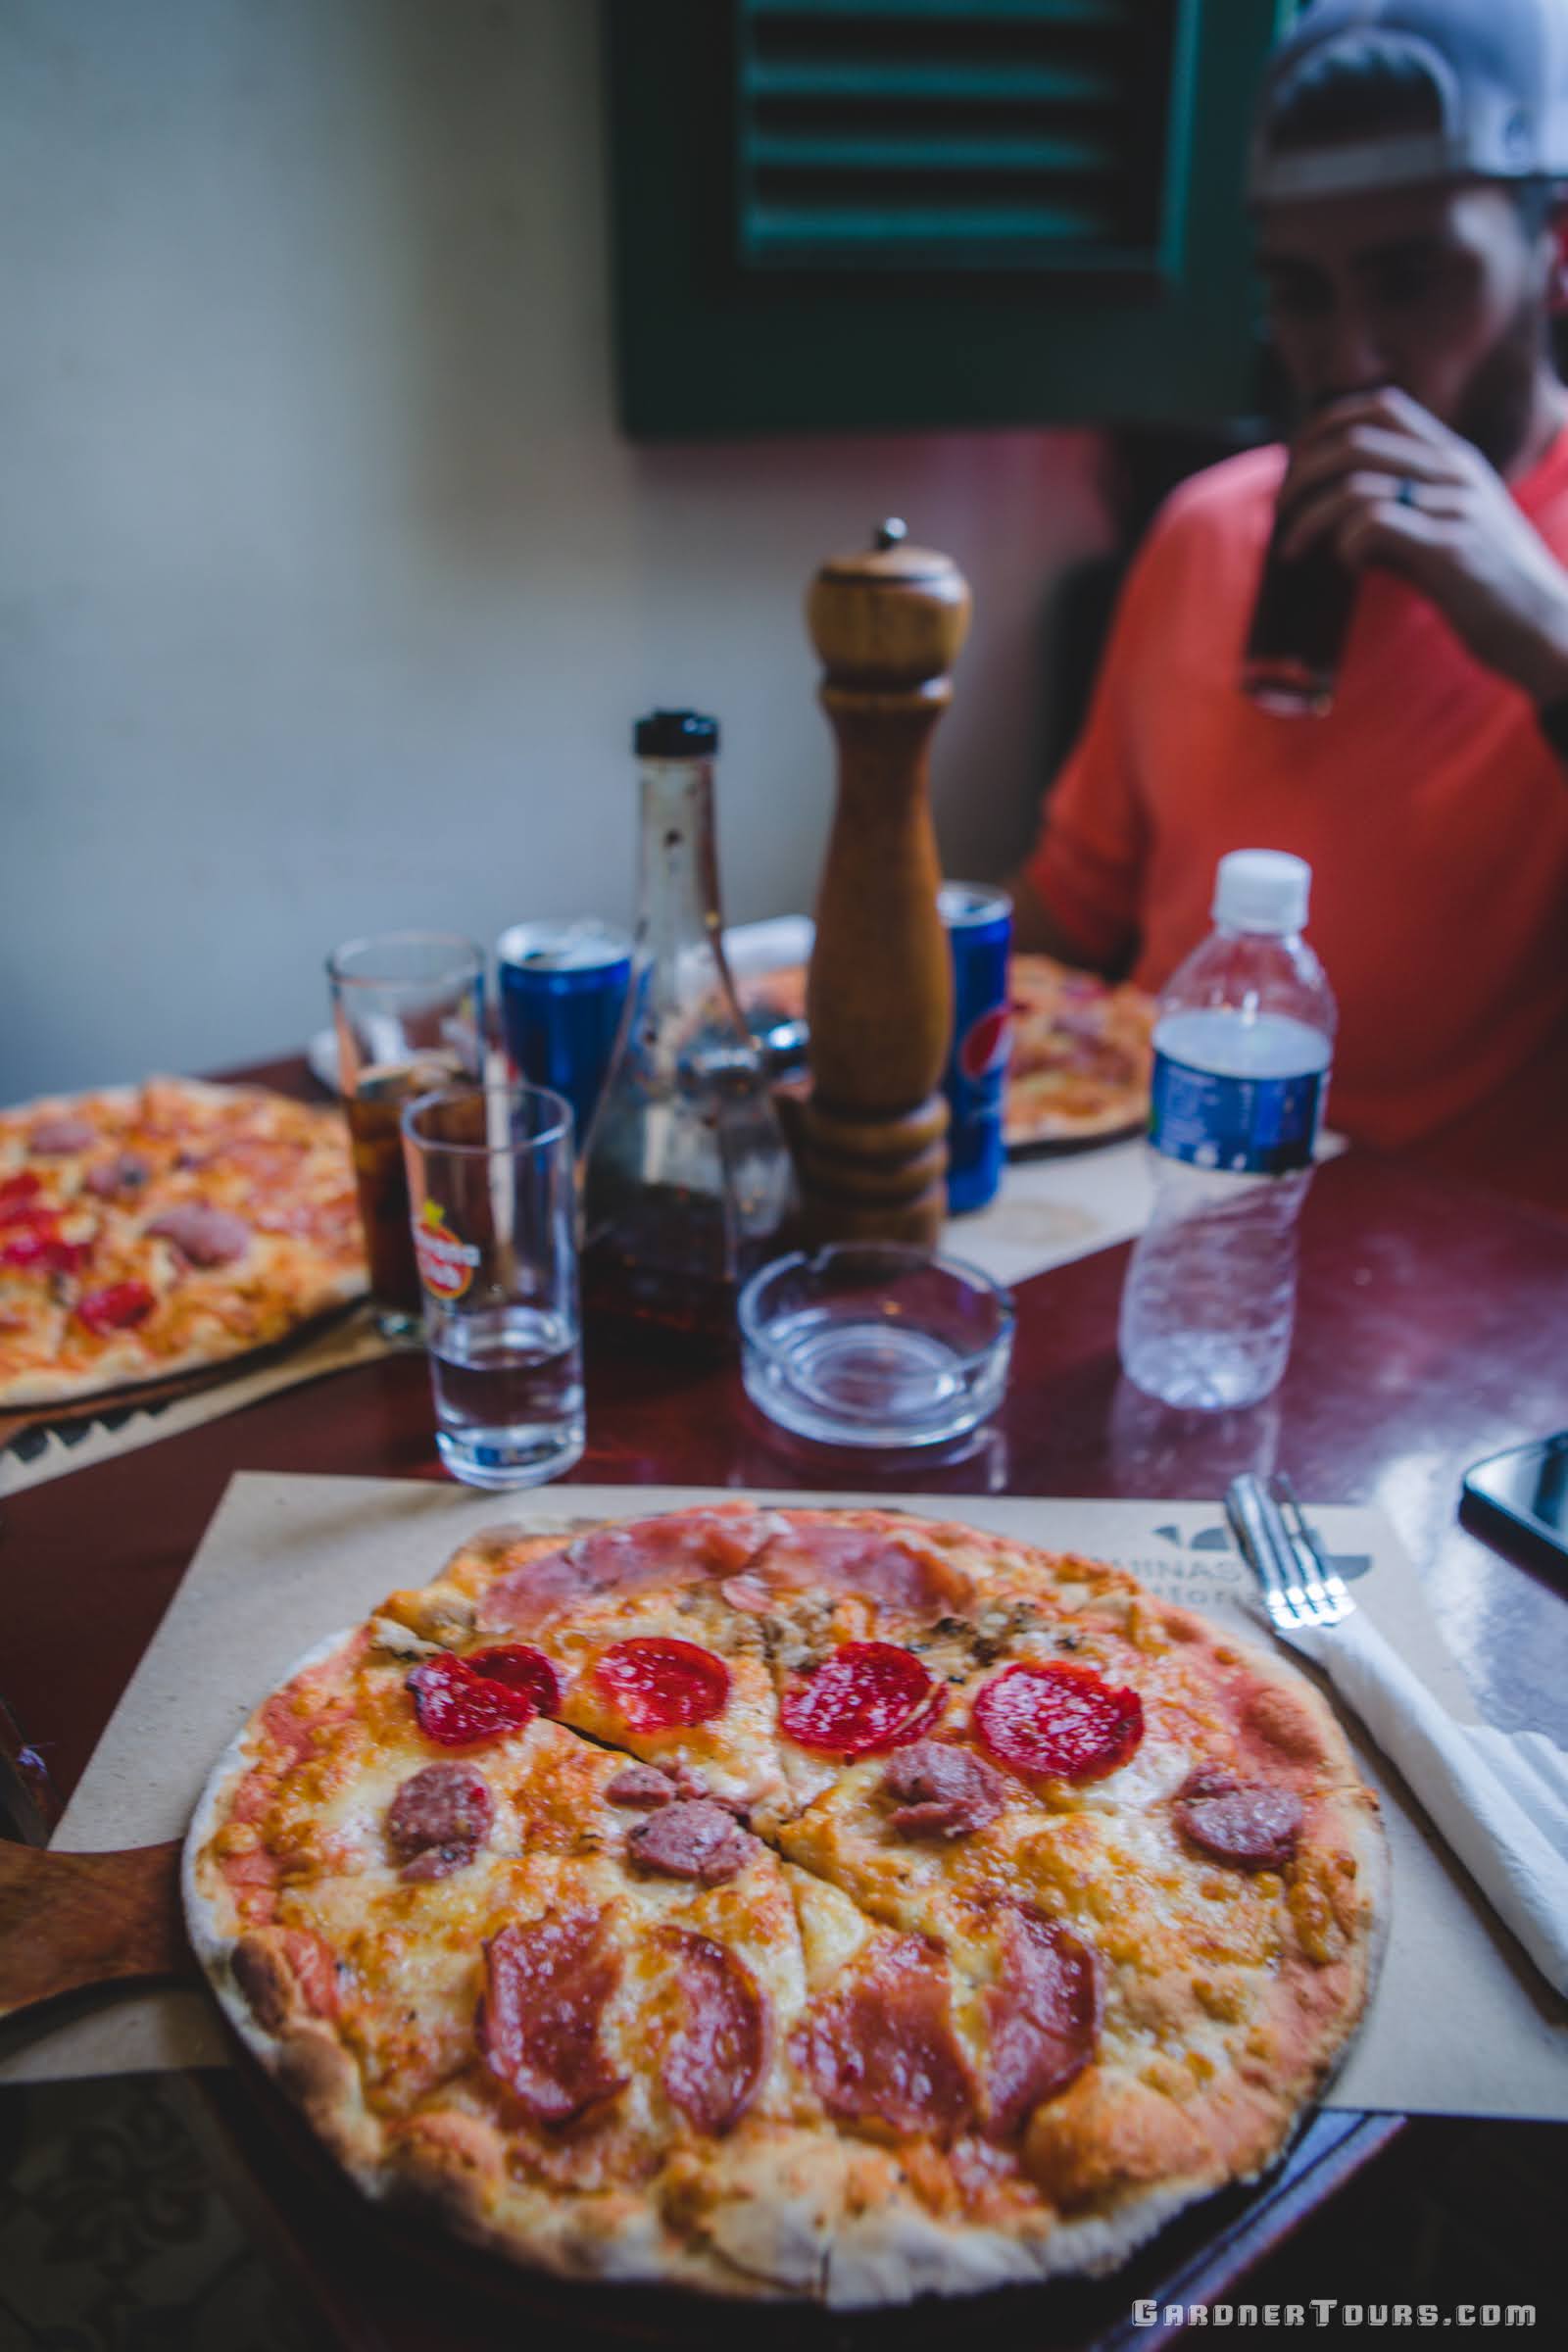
1454, 532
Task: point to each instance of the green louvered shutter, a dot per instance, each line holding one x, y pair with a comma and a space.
842, 214
963, 135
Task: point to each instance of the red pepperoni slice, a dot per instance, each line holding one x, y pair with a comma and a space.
884, 2047
457, 1708
1058, 1722
657, 1685
867, 1697
546, 1985
1042, 2019
115, 1307
17, 1193
33, 1244
521, 1668
713, 2061
1248, 1821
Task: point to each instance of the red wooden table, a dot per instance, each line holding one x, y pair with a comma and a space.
1433, 1329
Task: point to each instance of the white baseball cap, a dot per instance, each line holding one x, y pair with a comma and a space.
1496, 74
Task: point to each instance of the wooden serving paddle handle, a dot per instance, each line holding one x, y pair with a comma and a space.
888, 624
68, 1921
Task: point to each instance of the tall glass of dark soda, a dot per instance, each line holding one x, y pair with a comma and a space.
408, 1011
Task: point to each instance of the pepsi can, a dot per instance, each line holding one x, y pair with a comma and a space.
563, 986
979, 925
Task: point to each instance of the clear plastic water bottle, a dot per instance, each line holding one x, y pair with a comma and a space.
1242, 1053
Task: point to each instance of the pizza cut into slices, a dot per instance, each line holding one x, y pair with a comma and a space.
824, 1904
1080, 1057
150, 1231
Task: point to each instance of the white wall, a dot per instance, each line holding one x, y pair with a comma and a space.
327, 588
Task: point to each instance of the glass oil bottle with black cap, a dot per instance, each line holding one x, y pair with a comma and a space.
688, 1185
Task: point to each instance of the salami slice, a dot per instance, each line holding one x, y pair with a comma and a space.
900, 1571
126, 1172
438, 1820
683, 1549
659, 1685
884, 2045
641, 1787
691, 1838
713, 2060
521, 1668
1058, 1722
54, 1138
941, 1790
1042, 2017
457, 1708
868, 1696
540, 2015
1253, 1823
203, 1236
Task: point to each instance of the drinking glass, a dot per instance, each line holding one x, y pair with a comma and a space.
409, 1007
492, 1185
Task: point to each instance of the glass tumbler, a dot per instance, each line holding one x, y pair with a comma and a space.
491, 1175
409, 1009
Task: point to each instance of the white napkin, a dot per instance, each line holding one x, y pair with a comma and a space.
1499, 1798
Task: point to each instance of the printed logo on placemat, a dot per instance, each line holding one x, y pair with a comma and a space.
446, 1260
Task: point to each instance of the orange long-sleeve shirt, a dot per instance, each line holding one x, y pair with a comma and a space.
1433, 814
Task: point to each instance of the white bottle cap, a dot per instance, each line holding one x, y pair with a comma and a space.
1262, 890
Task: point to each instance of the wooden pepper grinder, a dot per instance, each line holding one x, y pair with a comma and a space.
888, 623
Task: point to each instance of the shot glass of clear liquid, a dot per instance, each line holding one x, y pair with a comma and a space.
493, 1216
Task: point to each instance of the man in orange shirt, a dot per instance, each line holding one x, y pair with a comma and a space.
1403, 180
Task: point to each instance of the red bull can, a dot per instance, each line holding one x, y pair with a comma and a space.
563, 985
979, 925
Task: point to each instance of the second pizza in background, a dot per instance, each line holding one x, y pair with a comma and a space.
1081, 1055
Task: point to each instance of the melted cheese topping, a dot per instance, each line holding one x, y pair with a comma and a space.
1193, 1953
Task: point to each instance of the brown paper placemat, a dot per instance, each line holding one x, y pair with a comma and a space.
1050, 1212
1461, 2023
51, 1440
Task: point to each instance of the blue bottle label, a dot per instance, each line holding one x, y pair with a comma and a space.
1253, 1126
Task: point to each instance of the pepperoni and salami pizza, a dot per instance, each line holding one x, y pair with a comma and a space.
1080, 1057
831, 1904
153, 1230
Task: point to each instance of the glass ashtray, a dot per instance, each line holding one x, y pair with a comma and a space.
875, 1343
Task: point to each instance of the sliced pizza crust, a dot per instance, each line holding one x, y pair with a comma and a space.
150, 1232
701, 2006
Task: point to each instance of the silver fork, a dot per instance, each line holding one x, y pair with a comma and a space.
1300, 1588
1499, 1798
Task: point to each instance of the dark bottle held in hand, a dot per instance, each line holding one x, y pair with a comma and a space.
688, 1186
1301, 617
1300, 624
